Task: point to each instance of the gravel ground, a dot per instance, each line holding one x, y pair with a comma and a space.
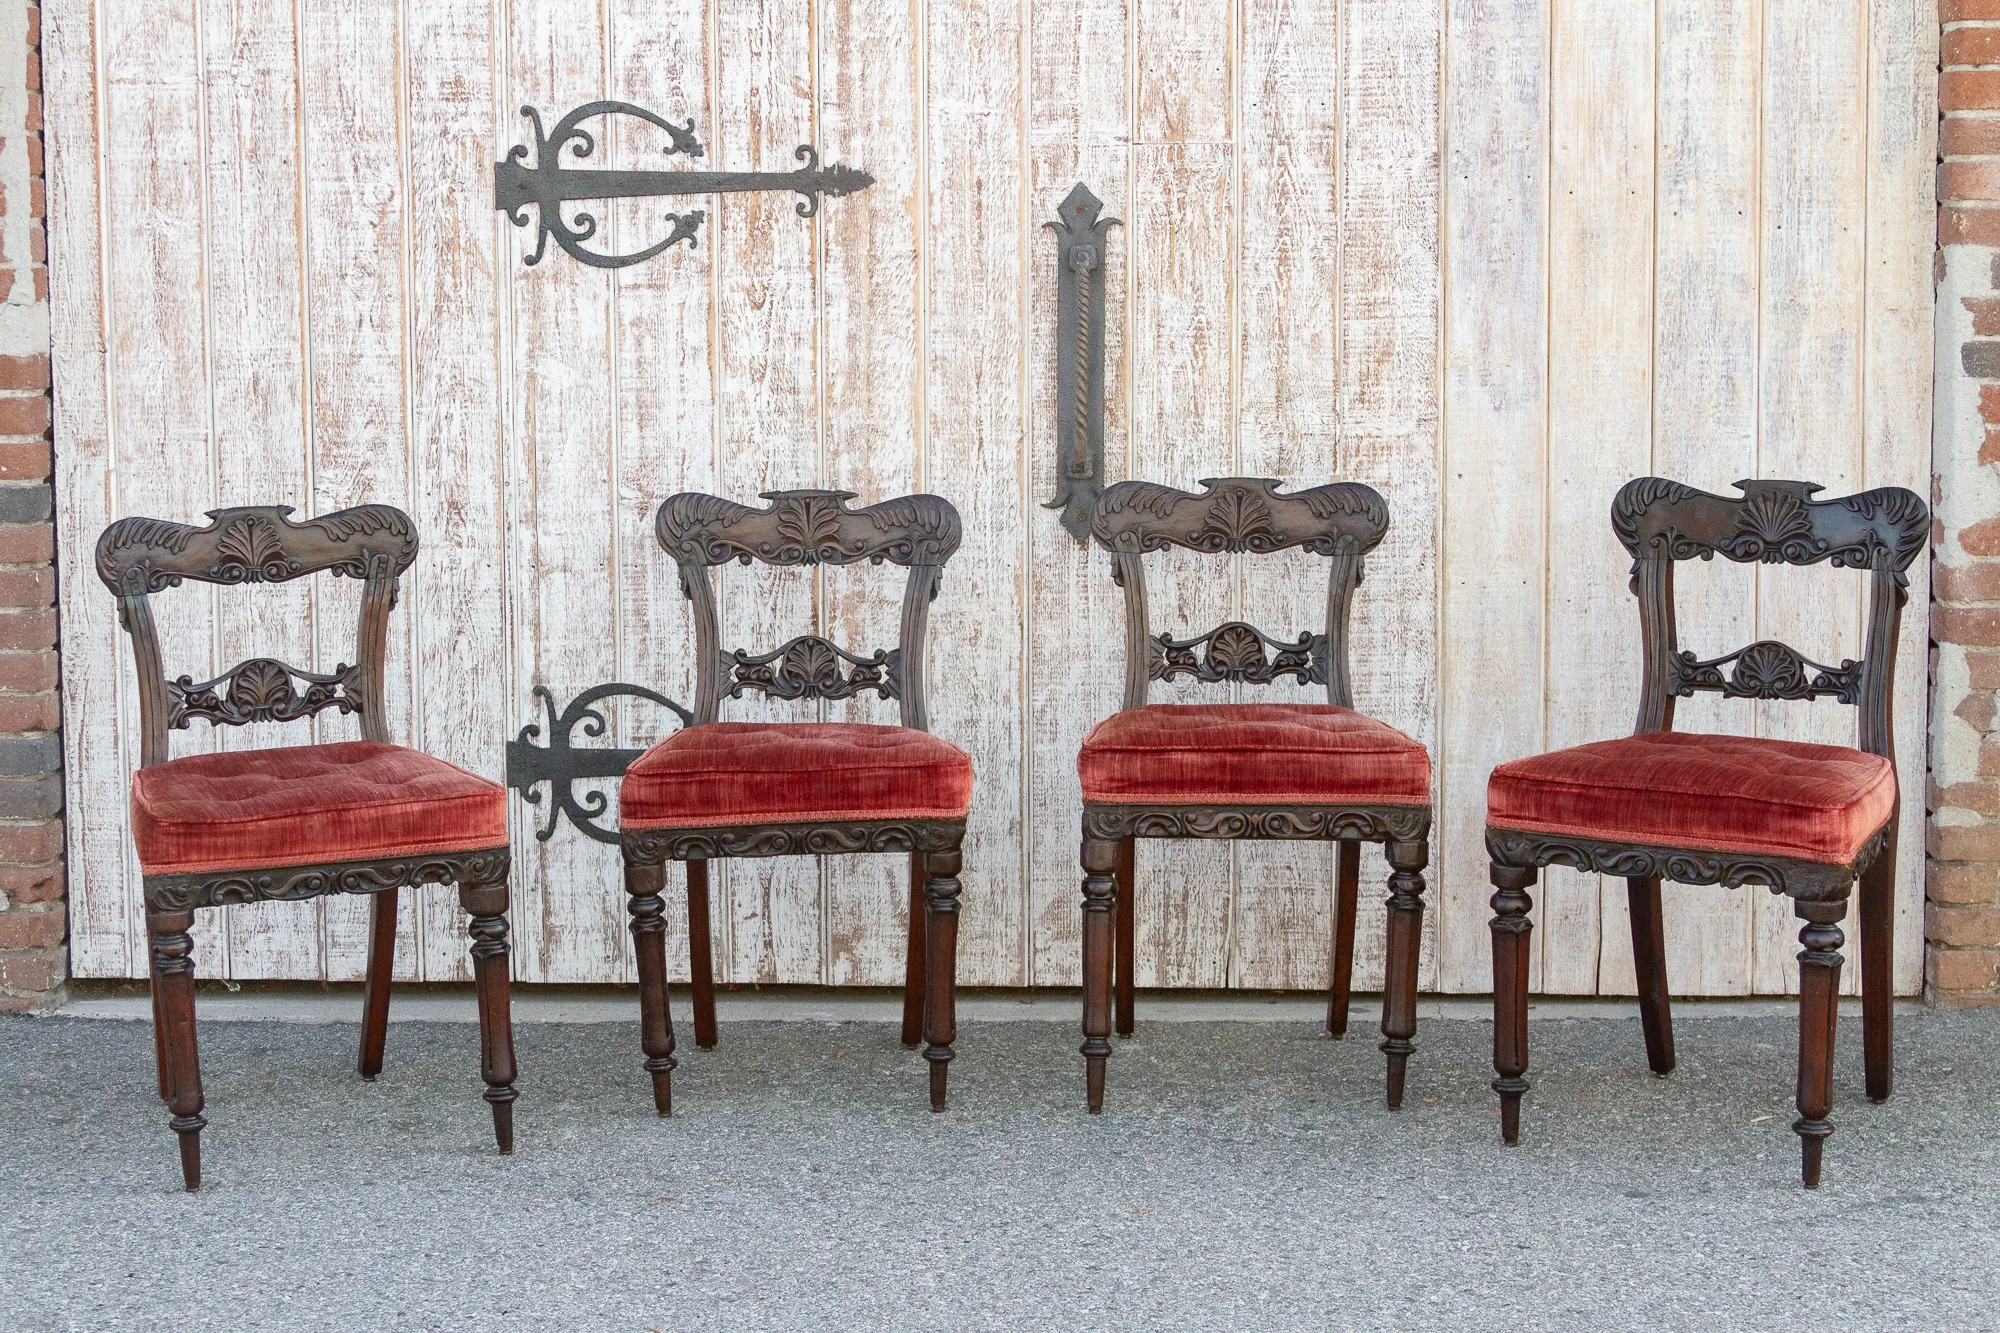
1244, 1176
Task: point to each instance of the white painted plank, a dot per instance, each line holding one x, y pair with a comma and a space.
1186, 55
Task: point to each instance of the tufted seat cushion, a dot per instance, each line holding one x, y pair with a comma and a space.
1272, 754
309, 805
1687, 789
794, 773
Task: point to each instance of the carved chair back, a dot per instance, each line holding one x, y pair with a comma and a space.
137, 557
1343, 521
918, 532
1776, 522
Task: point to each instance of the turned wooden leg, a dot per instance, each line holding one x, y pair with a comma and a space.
381, 971
913, 959
159, 1032
649, 942
1649, 962
173, 973
1100, 862
1406, 926
701, 956
941, 890
1340, 966
1511, 930
1878, 970
1819, 1010
1125, 945
486, 903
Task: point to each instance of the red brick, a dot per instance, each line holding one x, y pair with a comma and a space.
1969, 89
1965, 180
36, 586
41, 286
38, 197
1975, 884
1981, 797
35, 26
20, 630
1977, 842
1989, 448
1957, 11
36, 165
26, 543
39, 970
1970, 46
24, 462
1981, 538
1985, 670
32, 372
38, 844
43, 712
44, 884
1968, 226
1969, 136
1973, 627
1954, 927
1964, 969
34, 118
1959, 584
34, 70
38, 242
28, 673
1985, 309
1976, 710
41, 926
24, 416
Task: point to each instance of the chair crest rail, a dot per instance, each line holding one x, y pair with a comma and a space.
808, 527
1773, 522
254, 544
1240, 514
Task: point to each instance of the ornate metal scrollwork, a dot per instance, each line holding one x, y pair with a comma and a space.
810, 667
548, 185
561, 764
261, 690
1766, 669
1807, 881
1236, 651
1367, 823
183, 893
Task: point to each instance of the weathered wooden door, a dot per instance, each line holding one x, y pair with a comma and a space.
1492, 256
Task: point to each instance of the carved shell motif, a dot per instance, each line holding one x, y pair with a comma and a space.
1773, 526
253, 552
1237, 520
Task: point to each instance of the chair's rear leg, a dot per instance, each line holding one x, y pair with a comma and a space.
381, 971
1406, 923
486, 903
649, 944
1878, 970
701, 956
1125, 947
1819, 1010
1100, 863
173, 970
941, 890
1511, 928
913, 960
1649, 962
1340, 968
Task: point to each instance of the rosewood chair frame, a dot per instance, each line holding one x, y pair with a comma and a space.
1343, 521
1660, 523
804, 528
137, 557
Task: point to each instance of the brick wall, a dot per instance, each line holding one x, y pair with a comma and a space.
33, 961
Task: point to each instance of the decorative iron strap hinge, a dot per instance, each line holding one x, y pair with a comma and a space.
548, 185
560, 763
1079, 357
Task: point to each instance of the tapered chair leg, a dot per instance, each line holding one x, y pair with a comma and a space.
173, 973
701, 956
1406, 923
649, 943
1819, 1010
486, 903
1126, 945
1511, 931
1649, 962
1878, 967
381, 971
159, 1035
1100, 862
1340, 967
913, 960
941, 890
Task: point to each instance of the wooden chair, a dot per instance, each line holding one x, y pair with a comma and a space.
247, 826
1247, 770
1806, 820
717, 789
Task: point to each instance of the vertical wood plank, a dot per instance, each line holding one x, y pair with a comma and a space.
457, 601
567, 896
1496, 406
1600, 413
1705, 357
103, 899
768, 345
1896, 401
1389, 308
257, 329
1079, 116
871, 112
1814, 190
1186, 51
975, 434
352, 65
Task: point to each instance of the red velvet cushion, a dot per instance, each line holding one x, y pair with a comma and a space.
794, 773
308, 804
1276, 754
1685, 789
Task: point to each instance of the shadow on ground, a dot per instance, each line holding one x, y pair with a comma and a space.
1244, 1176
